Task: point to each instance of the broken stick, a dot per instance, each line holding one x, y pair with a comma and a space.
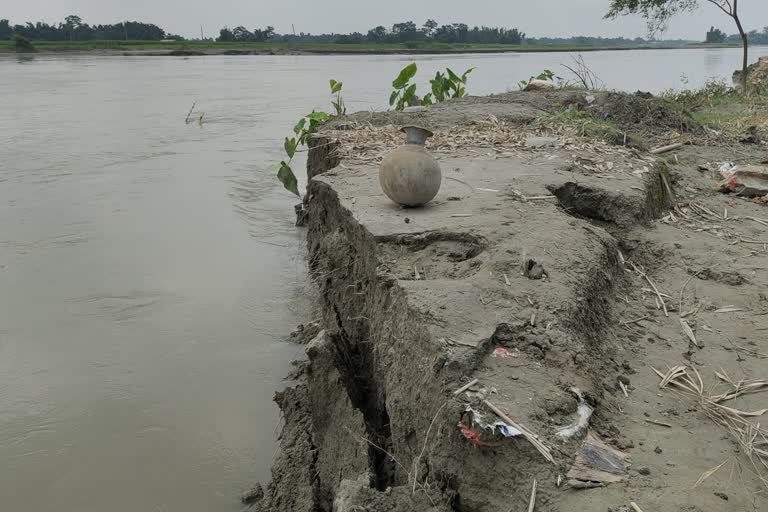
532, 503
658, 293
530, 436
667, 149
465, 387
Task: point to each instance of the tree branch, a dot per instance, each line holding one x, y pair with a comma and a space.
728, 11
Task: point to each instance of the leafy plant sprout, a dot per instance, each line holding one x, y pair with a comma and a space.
444, 86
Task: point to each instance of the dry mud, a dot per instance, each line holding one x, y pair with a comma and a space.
416, 301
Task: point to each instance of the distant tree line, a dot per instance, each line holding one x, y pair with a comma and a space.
74, 29
754, 37
715, 35
430, 31
405, 32
243, 35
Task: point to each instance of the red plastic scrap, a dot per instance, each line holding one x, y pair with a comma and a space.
747, 181
500, 352
473, 436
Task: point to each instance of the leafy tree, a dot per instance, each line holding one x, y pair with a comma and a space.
659, 12
262, 36
225, 35
429, 27
404, 32
377, 35
353, 38
242, 34
72, 23
715, 35
5, 30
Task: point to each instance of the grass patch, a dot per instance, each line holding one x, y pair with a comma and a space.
583, 123
720, 107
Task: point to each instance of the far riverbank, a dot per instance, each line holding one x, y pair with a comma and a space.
174, 49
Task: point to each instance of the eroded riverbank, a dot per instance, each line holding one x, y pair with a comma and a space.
418, 304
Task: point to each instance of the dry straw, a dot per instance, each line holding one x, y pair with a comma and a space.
751, 437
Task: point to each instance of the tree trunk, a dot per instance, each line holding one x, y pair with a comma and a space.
745, 45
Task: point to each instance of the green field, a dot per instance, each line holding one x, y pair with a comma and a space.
329, 48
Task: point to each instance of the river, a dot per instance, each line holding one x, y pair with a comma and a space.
150, 270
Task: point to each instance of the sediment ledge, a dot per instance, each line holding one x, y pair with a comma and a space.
518, 275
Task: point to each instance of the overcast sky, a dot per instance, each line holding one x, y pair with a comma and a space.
535, 18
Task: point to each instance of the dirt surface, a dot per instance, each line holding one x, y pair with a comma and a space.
532, 272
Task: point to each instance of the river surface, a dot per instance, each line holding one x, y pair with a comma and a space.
150, 270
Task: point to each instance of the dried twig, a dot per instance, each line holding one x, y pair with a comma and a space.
729, 309
660, 423
465, 387
624, 389
532, 503
667, 149
635, 507
186, 121
530, 436
682, 290
764, 222
424, 448
636, 320
658, 293
709, 473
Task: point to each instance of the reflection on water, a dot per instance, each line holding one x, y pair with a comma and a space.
150, 269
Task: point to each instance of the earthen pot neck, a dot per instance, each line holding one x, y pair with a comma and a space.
416, 135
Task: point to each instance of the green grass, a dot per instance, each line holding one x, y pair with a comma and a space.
721, 107
364, 48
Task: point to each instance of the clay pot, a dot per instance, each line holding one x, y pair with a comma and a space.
410, 175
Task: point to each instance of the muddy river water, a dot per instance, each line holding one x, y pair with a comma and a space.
150, 271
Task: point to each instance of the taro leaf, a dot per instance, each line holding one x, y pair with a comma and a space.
393, 97
300, 125
290, 147
466, 75
318, 116
287, 178
409, 93
335, 86
453, 76
438, 87
427, 99
405, 76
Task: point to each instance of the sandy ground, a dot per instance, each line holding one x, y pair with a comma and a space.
533, 272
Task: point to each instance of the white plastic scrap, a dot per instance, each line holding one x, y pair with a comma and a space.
727, 169
583, 413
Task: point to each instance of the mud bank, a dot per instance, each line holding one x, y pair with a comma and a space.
418, 303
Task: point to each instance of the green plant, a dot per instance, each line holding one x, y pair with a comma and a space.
547, 75
301, 131
444, 87
337, 101
713, 92
23, 44
404, 93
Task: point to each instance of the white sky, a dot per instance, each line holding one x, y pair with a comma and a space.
537, 18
